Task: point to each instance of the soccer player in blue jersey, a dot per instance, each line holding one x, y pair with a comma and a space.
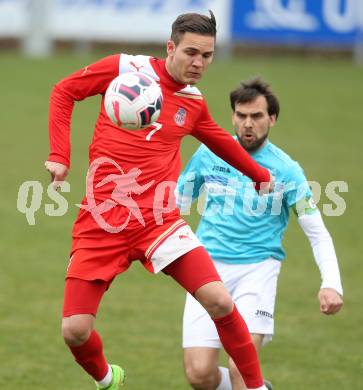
243, 234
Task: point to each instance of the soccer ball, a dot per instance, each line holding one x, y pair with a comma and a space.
133, 100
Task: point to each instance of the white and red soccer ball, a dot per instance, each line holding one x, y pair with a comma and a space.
133, 100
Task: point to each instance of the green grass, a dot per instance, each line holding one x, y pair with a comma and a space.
320, 126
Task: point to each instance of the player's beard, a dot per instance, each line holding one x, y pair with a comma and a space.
253, 146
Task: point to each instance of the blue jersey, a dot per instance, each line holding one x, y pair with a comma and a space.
237, 225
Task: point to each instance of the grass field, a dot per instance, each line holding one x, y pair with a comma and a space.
321, 126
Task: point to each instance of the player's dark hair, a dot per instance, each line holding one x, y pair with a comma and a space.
249, 90
193, 23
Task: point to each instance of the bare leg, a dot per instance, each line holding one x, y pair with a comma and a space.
76, 329
201, 367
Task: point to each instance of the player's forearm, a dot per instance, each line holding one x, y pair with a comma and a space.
223, 145
236, 156
60, 113
323, 250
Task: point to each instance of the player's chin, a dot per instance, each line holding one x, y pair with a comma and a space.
192, 79
250, 146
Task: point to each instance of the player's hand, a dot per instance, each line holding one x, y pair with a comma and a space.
330, 301
58, 172
266, 188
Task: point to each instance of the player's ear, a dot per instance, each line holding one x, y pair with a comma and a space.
272, 120
170, 48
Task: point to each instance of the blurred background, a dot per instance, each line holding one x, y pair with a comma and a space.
311, 51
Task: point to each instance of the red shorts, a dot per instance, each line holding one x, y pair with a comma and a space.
98, 254
191, 271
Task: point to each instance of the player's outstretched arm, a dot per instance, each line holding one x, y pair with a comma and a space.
331, 291
224, 146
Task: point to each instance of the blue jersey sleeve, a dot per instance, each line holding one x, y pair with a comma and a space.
190, 181
297, 186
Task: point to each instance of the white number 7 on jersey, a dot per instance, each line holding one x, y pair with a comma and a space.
157, 126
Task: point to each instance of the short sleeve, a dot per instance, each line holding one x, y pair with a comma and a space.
296, 186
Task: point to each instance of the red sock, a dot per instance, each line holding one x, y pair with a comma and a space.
90, 356
237, 342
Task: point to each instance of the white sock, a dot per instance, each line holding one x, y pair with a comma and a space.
225, 379
260, 388
106, 381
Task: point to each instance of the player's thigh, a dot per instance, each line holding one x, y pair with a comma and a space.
198, 327
255, 293
83, 296
194, 270
97, 253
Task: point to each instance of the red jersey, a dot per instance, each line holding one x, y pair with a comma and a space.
150, 156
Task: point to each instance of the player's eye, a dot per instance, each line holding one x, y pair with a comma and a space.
191, 52
258, 115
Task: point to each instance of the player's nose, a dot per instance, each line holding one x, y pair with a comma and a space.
198, 61
248, 122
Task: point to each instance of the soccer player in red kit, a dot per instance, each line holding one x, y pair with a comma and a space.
128, 212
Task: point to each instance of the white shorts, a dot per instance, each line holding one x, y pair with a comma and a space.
253, 289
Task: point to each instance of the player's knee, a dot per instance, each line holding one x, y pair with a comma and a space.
75, 332
220, 305
215, 298
200, 375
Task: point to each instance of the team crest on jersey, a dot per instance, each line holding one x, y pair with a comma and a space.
180, 116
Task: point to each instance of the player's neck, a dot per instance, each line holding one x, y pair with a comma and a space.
254, 151
169, 70
259, 149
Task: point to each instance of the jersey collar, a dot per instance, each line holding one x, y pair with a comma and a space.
165, 78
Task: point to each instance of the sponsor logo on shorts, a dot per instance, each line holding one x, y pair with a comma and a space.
263, 313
